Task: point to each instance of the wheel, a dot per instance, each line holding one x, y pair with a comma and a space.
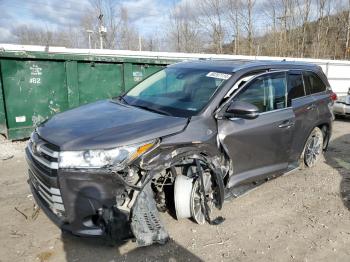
188, 196
313, 148
197, 199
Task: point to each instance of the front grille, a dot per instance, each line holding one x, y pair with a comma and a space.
50, 195
43, 153
43, 159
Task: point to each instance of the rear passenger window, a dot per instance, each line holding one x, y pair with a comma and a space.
295, 86
313, 84
267, 92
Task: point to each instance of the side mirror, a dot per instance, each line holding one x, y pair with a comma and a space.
242, 110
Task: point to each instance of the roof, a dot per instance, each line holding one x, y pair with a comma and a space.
230, 66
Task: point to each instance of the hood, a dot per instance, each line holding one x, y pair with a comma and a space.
107, 124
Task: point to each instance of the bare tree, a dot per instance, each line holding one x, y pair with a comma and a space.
248, 23
292, 28
234, 8
184, 30
102, 13
271, 10
128, 35
321, 6
37, 36
212, 13
347, 44
304, 7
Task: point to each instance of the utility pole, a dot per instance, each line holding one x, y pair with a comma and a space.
90, 32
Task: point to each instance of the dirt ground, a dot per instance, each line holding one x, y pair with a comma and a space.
303, 216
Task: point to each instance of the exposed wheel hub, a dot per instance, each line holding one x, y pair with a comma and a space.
189, 198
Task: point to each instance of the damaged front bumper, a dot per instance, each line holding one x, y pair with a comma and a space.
96, 203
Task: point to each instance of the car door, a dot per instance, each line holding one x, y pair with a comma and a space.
321, 94
305, 111
259, 147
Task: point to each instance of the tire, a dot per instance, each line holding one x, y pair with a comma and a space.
313, 148
337, 116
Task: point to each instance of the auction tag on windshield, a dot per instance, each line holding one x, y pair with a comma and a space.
219, 75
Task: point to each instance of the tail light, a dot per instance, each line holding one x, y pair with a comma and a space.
333, 96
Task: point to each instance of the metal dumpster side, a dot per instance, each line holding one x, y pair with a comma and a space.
3, 126
37, 85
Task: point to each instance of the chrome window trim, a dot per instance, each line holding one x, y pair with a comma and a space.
276, 110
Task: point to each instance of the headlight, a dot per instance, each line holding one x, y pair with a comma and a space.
116, 157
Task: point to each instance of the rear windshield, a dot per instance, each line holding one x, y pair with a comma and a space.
176, 91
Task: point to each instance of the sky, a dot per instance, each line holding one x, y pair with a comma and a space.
146, 15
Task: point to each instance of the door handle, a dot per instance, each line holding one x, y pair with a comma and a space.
286, 124
311, 107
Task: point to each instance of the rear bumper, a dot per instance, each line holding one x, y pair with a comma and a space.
341, 109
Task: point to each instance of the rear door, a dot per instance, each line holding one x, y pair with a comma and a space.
304, 107
261, 146
316, 87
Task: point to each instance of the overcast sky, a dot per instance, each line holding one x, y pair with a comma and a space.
146, 15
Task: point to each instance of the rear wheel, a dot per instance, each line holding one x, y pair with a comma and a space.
313, 148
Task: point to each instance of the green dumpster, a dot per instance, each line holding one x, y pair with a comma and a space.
3, 126
36, 85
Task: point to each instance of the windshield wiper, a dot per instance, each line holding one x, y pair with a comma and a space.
153, 110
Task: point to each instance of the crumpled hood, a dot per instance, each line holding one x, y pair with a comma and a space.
107, 124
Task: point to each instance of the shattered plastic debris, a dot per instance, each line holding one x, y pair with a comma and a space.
146, 224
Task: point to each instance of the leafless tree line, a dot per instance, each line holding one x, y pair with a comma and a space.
296, 28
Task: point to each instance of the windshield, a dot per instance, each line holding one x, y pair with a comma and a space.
181, 92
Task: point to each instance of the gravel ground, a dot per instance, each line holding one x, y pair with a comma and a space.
303, 216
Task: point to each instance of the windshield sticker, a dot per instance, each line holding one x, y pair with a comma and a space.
219, 75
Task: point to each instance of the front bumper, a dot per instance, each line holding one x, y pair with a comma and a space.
77, 201
341, 108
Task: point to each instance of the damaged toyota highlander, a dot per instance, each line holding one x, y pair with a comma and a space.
182, 141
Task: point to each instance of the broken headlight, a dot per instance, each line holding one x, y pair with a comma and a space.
116, 157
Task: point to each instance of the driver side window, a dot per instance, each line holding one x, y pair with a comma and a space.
267, 92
